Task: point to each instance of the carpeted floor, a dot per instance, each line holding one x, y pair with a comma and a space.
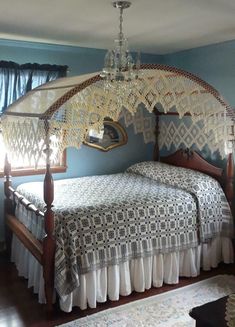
169, 309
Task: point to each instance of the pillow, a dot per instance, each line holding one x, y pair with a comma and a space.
188, 179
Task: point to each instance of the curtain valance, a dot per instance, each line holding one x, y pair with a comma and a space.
17, 79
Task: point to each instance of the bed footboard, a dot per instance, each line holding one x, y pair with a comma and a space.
27, 238
43, 251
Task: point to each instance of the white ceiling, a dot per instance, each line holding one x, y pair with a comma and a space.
152, 26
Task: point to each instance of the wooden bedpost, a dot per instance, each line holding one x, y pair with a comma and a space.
7, 184
156, 155
7, 202
49, 240
229, 183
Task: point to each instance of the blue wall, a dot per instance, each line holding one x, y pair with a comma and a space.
215, 64
86, 161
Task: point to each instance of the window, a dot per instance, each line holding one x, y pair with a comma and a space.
15, 81
22, 170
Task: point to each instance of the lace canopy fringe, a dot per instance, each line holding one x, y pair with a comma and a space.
73, 105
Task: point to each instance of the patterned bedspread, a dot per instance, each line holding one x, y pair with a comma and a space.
214, 213
108, 219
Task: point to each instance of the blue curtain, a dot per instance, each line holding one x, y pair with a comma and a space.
16, 80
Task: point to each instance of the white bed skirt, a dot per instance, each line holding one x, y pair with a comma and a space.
137, 274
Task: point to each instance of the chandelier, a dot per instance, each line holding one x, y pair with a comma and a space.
120, 71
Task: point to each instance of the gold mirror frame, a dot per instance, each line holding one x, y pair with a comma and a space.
114, 136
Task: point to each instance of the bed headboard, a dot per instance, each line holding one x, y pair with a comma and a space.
191, 159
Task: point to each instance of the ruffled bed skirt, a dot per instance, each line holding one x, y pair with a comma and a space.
137, 274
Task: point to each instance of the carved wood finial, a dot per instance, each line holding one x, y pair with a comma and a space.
7, 175
7, 166
8, 208
188, 153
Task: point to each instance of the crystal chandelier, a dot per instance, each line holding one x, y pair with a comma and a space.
119, 65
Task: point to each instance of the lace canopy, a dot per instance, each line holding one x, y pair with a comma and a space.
63, 110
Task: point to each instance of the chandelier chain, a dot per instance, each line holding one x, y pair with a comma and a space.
120, 71
121, 35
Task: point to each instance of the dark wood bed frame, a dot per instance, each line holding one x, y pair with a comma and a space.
44, 251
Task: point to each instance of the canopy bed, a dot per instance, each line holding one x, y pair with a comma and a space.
162, 249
